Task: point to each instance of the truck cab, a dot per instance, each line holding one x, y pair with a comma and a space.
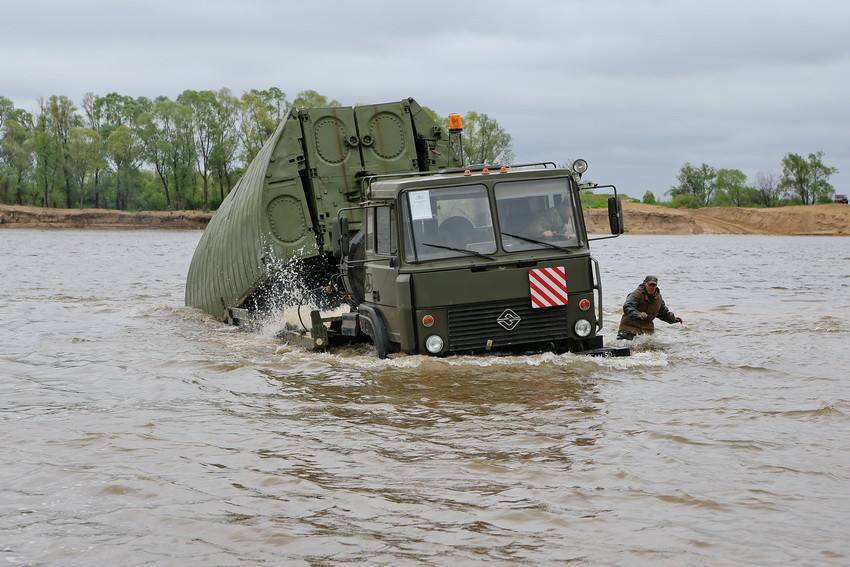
479, 260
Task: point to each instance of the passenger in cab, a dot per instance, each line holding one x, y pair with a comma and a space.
554, 222
642, 306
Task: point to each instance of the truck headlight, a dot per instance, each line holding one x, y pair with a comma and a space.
583, 327
434, 344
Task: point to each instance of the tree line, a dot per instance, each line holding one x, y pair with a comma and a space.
136, 153
804, 180
117, 151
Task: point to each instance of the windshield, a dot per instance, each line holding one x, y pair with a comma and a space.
448, 222
536, 214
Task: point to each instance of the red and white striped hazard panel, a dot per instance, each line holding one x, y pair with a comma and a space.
547, 286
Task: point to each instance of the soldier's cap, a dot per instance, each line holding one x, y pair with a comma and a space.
652, 279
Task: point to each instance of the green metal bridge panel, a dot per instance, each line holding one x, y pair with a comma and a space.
307, 170
386, 138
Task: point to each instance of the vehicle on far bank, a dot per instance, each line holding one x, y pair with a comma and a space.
841, 199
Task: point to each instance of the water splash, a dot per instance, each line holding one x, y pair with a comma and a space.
294, 287
363, 357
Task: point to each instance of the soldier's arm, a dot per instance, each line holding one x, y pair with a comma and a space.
630, 307
539, 224
535, 228
665, 314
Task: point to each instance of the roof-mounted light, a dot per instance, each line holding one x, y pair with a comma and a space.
455, 123
579, 166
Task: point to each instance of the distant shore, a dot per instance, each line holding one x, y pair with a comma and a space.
14, 216
821, 220
810, 220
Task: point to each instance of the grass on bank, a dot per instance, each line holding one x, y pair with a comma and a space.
600, 201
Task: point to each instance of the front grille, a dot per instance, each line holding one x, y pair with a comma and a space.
473, 324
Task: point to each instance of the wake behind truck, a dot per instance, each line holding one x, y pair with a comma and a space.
433, 256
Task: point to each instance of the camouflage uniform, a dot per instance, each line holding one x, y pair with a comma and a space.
551, 219
640, 301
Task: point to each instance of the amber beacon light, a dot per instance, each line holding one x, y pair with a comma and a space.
455, 123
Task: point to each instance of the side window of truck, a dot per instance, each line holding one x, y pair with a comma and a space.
385, 239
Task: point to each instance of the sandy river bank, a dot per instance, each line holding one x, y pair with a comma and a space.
829, 220
826, 220
38, 217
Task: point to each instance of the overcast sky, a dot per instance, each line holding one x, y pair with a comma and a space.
636, 87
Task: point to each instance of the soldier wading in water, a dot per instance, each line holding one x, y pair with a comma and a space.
642, 306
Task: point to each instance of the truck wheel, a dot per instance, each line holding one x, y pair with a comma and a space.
373, 325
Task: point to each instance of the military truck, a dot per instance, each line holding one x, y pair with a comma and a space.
431, 255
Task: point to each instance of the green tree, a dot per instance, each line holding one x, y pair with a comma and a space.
312, 99
205, 126
16, 146
649, 198
152, 130
168, 141
6, 109
731, 187
94, 118
259, 114
48, 156
85, 151
485, 141
440, 120
768, 190
225, 140
105, 114
62, 117
696, 182
686, 201
124, 150
115, 110
807, 179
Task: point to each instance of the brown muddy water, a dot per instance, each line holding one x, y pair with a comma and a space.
136, 431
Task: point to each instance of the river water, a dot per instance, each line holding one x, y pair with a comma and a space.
137, 431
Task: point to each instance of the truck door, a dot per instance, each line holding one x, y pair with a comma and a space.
381, 267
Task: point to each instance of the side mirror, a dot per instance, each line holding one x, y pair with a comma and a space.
615, 215
339, 237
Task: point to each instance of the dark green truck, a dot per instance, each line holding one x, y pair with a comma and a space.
433, 256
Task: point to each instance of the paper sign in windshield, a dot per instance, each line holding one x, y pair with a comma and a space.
420, 205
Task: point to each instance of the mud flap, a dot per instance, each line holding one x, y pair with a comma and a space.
373, 325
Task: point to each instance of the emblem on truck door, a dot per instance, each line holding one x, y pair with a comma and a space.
508, 319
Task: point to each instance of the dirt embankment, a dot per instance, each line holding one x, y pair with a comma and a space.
37, 217
830, 220
824, 220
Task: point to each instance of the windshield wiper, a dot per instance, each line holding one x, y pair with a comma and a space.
465, 251
540, 242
